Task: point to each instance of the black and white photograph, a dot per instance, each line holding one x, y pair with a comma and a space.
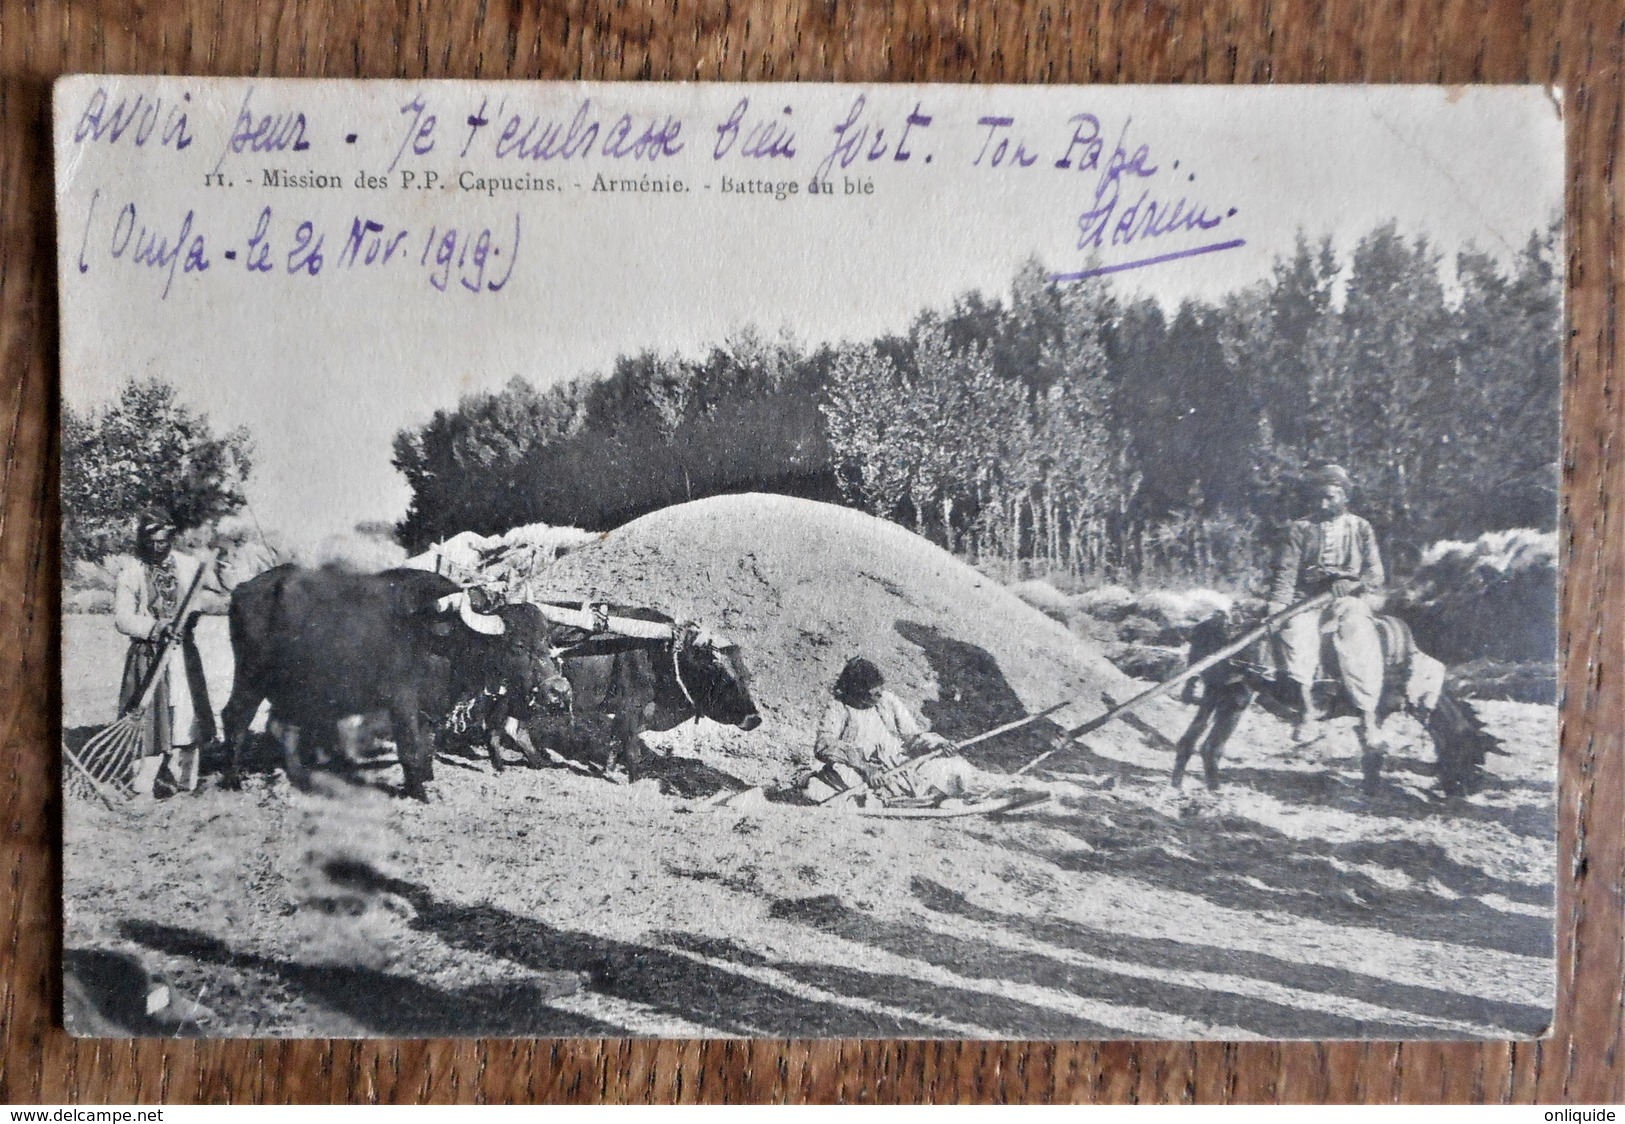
607, 560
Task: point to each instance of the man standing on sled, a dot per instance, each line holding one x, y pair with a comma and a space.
1333, 550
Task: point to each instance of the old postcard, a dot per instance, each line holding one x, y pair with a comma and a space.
808, 561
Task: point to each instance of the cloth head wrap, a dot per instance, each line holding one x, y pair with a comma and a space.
1329, 475
148, 522
150, 519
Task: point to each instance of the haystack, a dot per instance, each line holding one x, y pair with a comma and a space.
803, 586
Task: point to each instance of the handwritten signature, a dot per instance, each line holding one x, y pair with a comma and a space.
1133, 201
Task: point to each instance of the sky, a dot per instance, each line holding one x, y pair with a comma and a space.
161, 244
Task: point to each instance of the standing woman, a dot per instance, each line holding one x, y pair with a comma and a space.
179, 720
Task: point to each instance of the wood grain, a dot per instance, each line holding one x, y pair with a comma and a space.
1577, 45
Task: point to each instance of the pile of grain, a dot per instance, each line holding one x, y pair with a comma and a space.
803, 586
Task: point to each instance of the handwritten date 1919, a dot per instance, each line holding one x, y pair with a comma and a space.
472, 259
476, 260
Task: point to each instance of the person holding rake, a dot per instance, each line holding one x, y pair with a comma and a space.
179, 720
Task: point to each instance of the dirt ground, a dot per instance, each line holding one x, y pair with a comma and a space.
545, 902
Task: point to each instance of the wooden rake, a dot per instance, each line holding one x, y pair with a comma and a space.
105, 765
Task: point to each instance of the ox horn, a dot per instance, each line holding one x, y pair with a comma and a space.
486, 624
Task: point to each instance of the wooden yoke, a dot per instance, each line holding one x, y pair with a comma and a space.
596, 619
602, 634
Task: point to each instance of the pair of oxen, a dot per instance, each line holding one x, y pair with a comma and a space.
412, 649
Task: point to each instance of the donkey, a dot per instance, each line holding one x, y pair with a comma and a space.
1413, 682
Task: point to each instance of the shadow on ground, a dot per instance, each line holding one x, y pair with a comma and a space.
381, 1002
977, 1011
1240, 864
983, 960
667, 981
1515, 1017
973, 696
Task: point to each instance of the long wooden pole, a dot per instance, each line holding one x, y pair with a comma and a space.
1224, 653
1270, 625
149, 684
1016, 725
857, 790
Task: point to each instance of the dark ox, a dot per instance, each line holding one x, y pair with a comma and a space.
325, 645
637, 685
1459, 738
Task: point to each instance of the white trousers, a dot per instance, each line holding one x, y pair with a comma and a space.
1353, 631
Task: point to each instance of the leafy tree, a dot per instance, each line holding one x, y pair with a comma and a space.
657, 430
861, 406
1215, 417
1092, 483
1386, 380
997, 430
1274, 343
1506, 374
1271, 335
946, 418
464, 466
1144, 403
146, 447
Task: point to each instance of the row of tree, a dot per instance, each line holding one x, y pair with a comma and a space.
597, 452
1065, 424
1104, 437
1062, 425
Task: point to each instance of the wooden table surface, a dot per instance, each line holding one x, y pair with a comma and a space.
1577, 45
